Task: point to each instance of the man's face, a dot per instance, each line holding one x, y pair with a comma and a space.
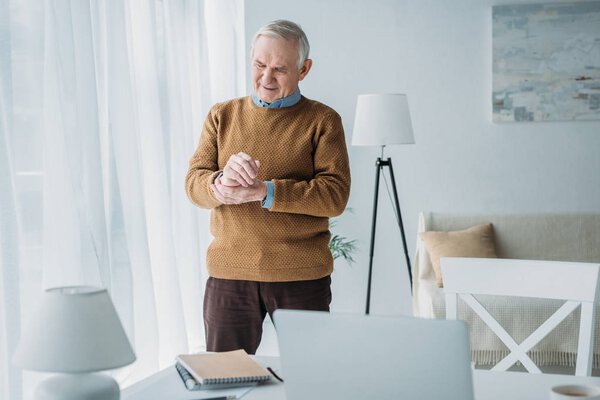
274, 71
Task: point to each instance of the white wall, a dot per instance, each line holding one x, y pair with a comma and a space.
439, 53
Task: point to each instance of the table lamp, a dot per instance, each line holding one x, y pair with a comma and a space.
381, 120
75, 332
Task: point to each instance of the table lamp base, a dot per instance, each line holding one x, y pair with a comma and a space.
85, 386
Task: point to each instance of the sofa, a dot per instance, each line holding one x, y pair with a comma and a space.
558, 237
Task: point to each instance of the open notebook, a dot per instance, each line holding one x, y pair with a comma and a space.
231, 368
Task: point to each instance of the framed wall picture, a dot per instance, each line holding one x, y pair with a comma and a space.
546, 62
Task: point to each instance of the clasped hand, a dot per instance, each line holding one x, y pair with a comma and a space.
239, 184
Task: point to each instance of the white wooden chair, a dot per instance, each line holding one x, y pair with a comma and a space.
576, 283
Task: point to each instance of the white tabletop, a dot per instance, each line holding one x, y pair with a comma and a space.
522, 385
166, 384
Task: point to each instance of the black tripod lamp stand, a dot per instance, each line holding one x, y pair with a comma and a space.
381, 120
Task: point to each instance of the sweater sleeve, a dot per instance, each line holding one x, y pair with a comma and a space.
203, 167
326, 194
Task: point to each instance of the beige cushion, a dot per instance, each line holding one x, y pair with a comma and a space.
477, 241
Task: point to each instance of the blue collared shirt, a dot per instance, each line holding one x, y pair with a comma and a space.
287, 101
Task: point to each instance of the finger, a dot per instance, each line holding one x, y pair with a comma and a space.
250, 160
247, 163
242, 172
228, 182
245, 168
231, 174
234, 169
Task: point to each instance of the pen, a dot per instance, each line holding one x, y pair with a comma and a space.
274, 374
222, 398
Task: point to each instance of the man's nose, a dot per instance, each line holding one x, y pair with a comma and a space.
268, 75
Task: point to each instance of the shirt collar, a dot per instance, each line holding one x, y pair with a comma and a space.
287, 101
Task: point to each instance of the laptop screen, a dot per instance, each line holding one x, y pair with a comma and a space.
344, 356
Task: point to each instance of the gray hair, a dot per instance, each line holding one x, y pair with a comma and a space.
287, 30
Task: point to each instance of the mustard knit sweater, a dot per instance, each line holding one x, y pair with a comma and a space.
302, 150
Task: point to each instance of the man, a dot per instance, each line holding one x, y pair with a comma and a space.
273, 167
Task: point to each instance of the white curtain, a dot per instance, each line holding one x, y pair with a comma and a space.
101, 106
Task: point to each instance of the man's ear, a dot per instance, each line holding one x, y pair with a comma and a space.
305, 68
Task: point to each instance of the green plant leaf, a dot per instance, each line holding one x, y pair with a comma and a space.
340, 246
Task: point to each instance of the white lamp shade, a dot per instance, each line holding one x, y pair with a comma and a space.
381, 120
74, 330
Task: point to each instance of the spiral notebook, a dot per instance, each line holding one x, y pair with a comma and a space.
223, 369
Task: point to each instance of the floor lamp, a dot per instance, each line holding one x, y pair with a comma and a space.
381, 120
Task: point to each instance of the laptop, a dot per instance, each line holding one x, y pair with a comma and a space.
347, 357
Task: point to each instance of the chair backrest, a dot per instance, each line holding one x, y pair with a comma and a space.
576, 283
347, 357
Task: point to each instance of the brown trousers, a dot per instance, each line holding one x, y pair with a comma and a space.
234, 310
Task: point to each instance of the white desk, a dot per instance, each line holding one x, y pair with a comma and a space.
166, 385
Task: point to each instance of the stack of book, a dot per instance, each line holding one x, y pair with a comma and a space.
219, 370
